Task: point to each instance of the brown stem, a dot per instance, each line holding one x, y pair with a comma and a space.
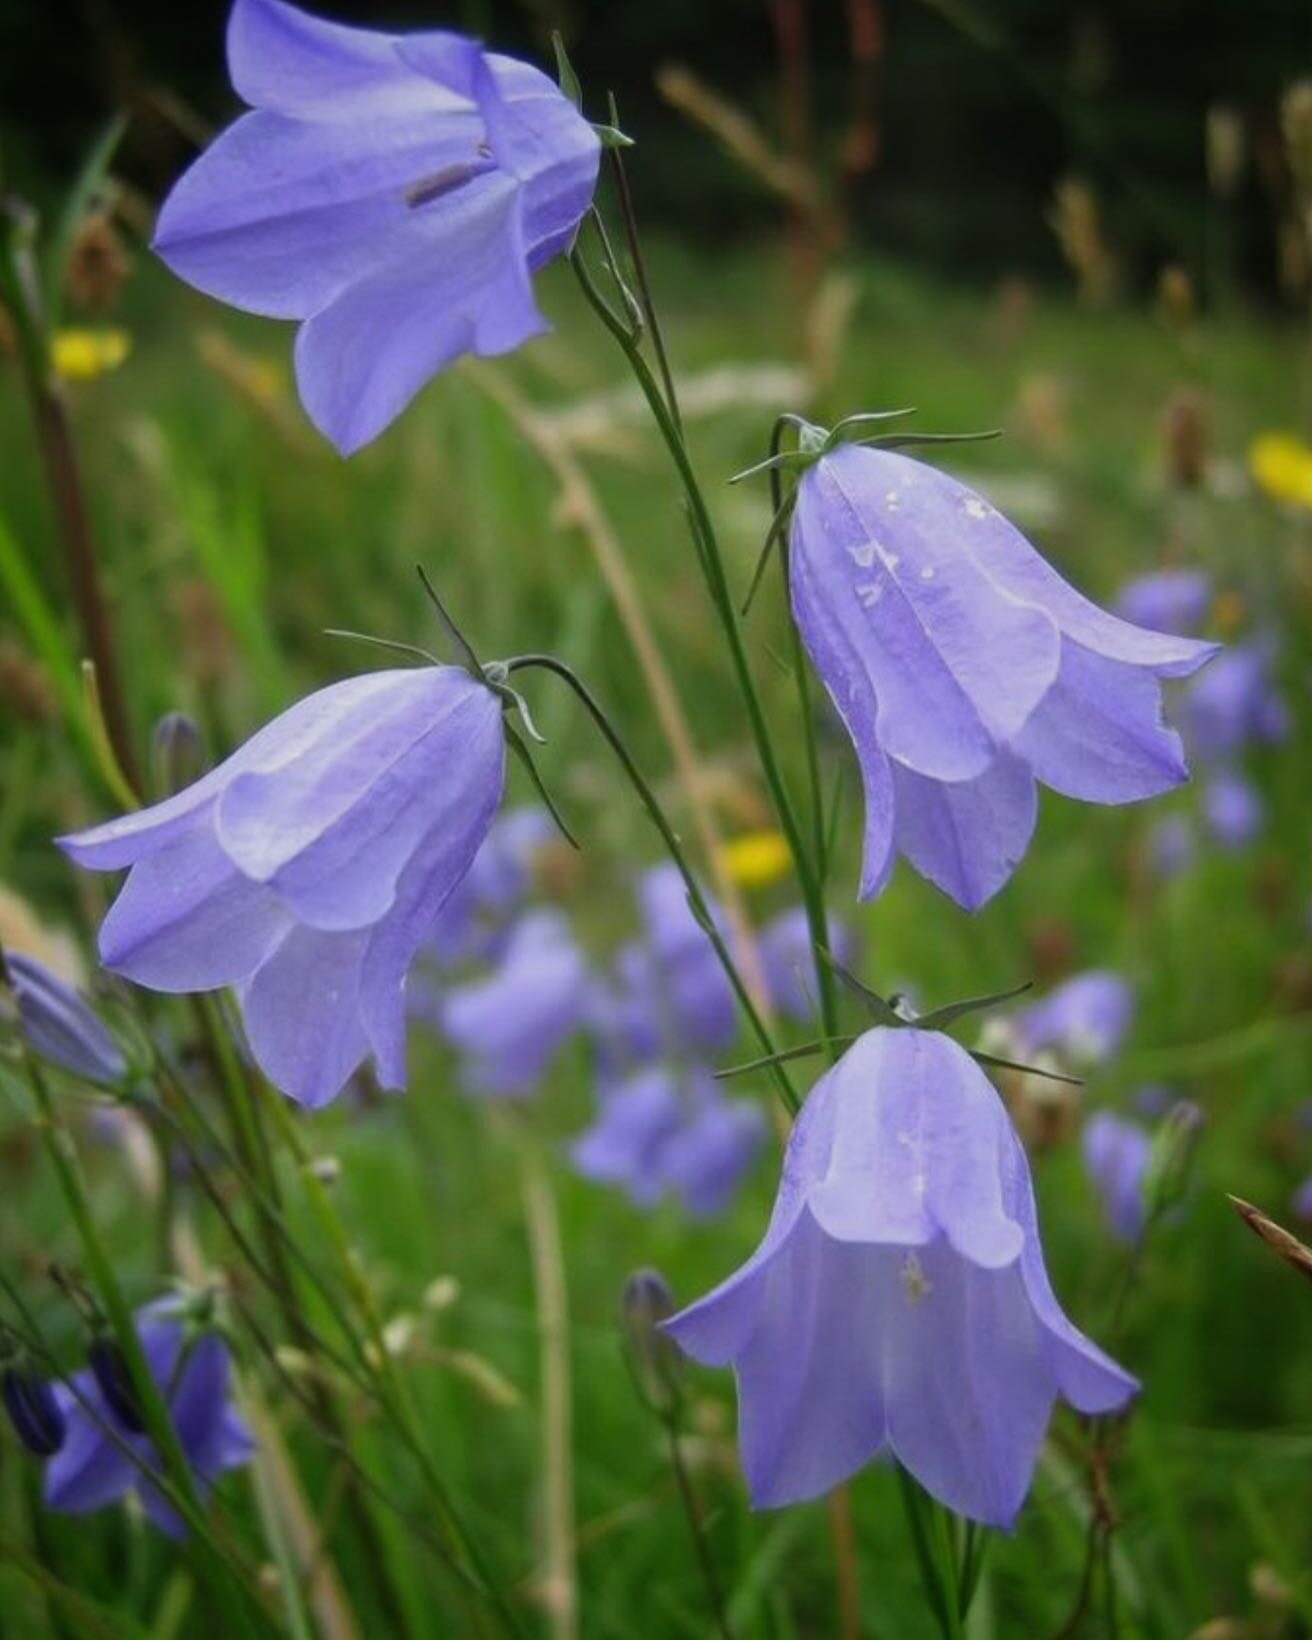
63, 478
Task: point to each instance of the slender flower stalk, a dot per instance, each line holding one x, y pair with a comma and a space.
669, 837
177, 1479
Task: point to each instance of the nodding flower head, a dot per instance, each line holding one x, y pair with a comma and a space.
105, 1456
899, 1301
307, 869
393, 193
966, 670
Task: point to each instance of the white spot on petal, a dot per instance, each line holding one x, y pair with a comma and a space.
973, 507
864, 555
869, 593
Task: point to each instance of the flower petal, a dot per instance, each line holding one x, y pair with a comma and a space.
810, 1408
332, 831
1008, 558
924, 717
967, 836
463, 288
967, 1384
277, 216
186, 920
282, 58
1087, 1378
850, 689
1099, 734
439, 863
302, 1014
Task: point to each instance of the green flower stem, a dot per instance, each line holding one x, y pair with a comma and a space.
178, 1477
669, 837
257, 1164
712, 562
463, 1548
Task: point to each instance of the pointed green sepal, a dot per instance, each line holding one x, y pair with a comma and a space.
610, 136
516, 744
565, 75
938, 1019
807, 1050
994, 1063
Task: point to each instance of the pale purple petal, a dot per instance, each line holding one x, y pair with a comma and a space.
283, 58
1116, 1153
301, 1013
332, 832
463, 287
1233, 810
1168, 600
967, 836
186, 920
1099, 733
852, 693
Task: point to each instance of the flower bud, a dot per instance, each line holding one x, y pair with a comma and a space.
59, 1025
114, 1381
655, 1360
33, 1411
177, 753
1170, 1163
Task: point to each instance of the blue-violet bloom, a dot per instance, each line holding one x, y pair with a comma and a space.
59, 1025
789, 961
1085, 1019
1232, 808
1116, 1154
1234, 704
393, 193
1167, 600
510, 1024
307, 868
965, 669
1172, 845
101, 1460
899, 1301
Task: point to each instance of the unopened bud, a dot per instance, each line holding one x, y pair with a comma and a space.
33, 1411
177, 753
1171, 1161
655, 1360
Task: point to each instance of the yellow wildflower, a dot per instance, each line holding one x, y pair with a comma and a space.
1281, 467
82, 355
755, 858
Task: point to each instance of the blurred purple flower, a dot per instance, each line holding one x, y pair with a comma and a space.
710, 1152
510, 1024
1233, 810
664, 1131
93, 1469
1301, 1201
635, 1120
1116, 1154
668, 993
307, 868
59, 1024
1085, 1018
395, 193
786, 955
899, 1300
1234, 703
1169, 600
1172, 845
965, 669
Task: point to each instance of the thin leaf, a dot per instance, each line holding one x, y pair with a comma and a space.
87, 185
806, 1051
882, 1010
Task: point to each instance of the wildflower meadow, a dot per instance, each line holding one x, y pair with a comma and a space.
655, 912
